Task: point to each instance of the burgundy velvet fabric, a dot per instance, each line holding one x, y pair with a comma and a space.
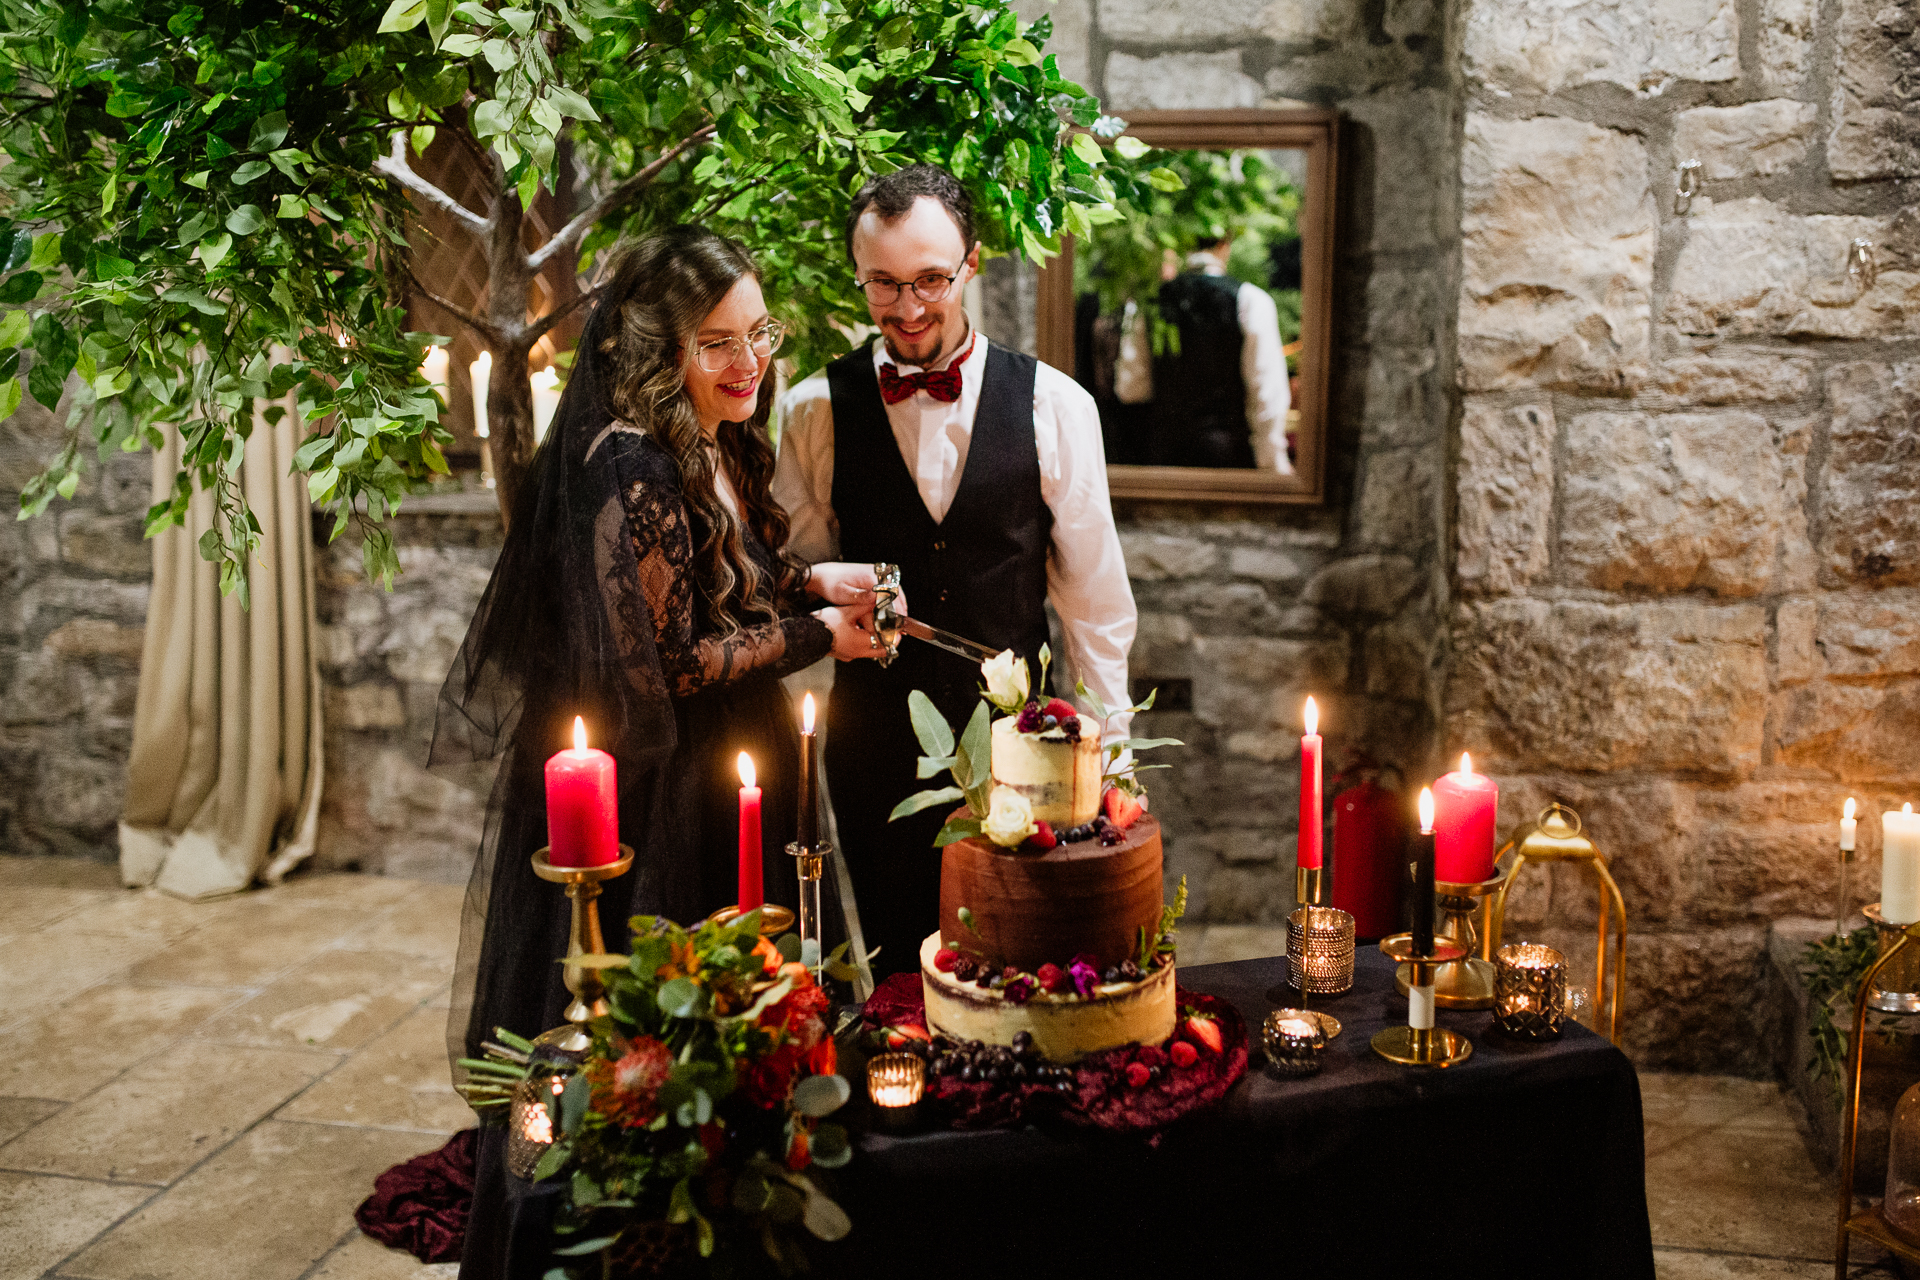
421, 1206
1102, 1097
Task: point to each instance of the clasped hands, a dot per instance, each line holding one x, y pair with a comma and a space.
848, 591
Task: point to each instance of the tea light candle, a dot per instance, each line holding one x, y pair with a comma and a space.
895, 1082
1293, 1042
1529, 990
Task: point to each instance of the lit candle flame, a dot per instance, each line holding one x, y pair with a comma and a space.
1313, 718
1846, 810
1466, 763
806, 714
1907, 807
1426, 811
579, 734
747, 774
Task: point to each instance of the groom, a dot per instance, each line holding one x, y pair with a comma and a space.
981, 473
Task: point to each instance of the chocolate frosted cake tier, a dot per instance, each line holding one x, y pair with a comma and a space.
1031, 909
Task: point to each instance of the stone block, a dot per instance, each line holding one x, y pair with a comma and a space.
1873, 473
1153, 556
364, 706
1237, 847
1214, 21
1179, 82
1546, 46
1673, 502
421, 640
1366, 586
1396, 507
1270, 564
1752, 140
1751, 267
1736, 377
1411, 203
1867, 635
105, 544
1250, 895
93, 638
1559, 234
1692, 1000
1874, 135
1786, 42
1796, 659
55, 598
1851, 731
1645, 826
82, 792
1218, 608
1596, 687
1399, 659
1506, 495
1250, 683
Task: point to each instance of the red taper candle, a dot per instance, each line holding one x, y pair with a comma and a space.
752, 896
1311, 829
583, 813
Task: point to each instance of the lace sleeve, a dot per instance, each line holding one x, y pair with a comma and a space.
663, 550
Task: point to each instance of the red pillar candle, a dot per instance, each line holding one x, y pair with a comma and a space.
752, 897
1369, 835
583, 813
1311, 828
1464, 805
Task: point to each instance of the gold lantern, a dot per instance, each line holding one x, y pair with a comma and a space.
1556, 838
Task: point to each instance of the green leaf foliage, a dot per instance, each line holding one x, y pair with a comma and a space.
191, 192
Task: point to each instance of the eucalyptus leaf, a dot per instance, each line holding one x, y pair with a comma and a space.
925, 800
958, 829
820, 1095
929, 726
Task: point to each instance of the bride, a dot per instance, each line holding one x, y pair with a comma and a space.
645, 586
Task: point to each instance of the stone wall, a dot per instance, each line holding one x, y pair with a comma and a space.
1687, 542
1260, 606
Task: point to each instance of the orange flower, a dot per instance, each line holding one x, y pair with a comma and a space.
624, 1091
825, 1059
769, 955
682, 962
798, 1150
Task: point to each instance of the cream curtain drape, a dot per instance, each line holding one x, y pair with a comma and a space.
223, 786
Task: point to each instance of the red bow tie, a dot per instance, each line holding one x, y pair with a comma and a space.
941, 384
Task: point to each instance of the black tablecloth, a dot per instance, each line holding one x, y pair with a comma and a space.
1524, 1161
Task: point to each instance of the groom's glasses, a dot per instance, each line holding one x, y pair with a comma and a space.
724, 353
931, 287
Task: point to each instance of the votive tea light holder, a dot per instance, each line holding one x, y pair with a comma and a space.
1294, 1039
1896, 988
895, 1084
1320, 950
530, 1123
1529, 991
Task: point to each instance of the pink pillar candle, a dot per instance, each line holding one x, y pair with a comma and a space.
752, 896
1464, 805
583, 812
1311, 827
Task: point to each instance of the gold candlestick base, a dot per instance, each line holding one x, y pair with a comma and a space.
1310, 886
774, 918
583, 939
1423, 1046
1465, 983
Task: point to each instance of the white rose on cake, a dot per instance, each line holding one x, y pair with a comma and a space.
1010, 820
1007, 681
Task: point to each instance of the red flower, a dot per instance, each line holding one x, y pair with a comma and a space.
624, 1091
799, 1152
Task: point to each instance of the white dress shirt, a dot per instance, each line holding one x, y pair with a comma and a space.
1086, 574
1263, 368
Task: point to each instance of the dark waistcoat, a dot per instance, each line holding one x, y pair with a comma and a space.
1199, 395
982, 571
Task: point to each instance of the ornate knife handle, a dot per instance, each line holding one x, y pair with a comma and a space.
886, 621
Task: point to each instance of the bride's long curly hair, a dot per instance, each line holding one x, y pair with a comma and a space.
665, 286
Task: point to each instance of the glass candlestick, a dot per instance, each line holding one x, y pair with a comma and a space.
810, 861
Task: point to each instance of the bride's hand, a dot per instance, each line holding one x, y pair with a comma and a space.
852, 628
844, 583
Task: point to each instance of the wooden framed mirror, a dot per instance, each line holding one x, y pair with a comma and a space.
1177, 322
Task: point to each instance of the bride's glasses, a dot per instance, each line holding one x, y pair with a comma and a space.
723, 353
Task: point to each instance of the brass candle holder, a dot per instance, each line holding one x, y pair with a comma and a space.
1467, 983
1896, 989
774, 918
1415, 1045
1557, 837
583, 939
1310, 886
1320, 950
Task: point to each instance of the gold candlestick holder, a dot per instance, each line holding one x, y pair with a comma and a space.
1310, 886
1413, 1046
583, 939
1466, 907
774, 918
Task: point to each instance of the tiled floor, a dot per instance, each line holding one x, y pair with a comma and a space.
204, 1091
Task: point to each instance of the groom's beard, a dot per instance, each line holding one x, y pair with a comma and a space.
923, 359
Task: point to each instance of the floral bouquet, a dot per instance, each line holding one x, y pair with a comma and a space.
696, 1116
1002, 814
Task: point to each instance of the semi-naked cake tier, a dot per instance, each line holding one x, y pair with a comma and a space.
1030, 909
1064, 1028
1058, 778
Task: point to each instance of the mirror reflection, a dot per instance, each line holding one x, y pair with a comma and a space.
1187, 321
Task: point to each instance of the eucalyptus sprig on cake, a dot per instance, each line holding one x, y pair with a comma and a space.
1036, 773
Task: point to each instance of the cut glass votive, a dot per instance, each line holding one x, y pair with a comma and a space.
530, 1122
1320, 950
895, 1083
1529, 991
1294, 1041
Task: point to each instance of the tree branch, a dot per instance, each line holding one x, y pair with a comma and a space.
464, 317
395, 166
538, 328
571, 234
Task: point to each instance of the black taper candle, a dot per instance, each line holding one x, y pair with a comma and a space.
809, 824
1420, 851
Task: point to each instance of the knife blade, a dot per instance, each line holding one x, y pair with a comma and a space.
946, 640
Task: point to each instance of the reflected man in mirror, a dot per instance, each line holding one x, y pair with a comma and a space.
1220, 398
